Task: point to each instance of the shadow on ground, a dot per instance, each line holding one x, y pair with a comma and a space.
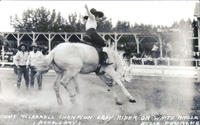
155, 97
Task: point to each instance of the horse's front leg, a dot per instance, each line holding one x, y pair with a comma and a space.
56, 88
125, 91
116, 78
76, 84
117, 100
111, 87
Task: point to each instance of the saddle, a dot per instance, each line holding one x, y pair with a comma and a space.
103, 56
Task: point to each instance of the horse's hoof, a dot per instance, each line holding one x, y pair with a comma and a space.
77, 91
73, 100
72, 96
119, 103
18, 86
59, 102
132, 101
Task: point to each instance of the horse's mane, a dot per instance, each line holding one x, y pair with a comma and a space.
120, 63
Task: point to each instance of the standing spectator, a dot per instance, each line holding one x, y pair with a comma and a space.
20, 62
168, 49
33, 57
44, 50
155, 50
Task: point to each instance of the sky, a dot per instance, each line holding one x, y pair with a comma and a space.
146, 12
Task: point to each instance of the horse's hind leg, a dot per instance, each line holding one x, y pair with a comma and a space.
115, 95
117, 100
67, 77
56, 88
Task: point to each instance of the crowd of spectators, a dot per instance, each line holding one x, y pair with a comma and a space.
181, 56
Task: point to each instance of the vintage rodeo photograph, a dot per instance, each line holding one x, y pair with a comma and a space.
99, 62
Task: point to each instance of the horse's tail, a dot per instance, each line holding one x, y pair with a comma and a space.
44, 64
49, 58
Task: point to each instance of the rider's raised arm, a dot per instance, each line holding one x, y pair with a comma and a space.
88, 12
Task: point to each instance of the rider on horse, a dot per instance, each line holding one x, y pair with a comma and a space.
92, 36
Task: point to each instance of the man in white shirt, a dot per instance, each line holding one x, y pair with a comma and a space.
33, 58
20, 62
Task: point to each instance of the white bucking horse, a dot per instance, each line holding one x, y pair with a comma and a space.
70, 59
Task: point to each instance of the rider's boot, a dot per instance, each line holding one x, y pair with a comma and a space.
106, 62
104, 59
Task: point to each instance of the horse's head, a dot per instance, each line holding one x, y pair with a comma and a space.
116, 57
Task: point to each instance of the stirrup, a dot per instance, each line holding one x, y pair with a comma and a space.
106, 64
98, 72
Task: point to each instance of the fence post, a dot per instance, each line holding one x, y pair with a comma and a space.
0, 87
116, 41
3, 56
34, 38
155, 62
161, 47
3, 53
142, 61
49, 40
168, 62
196, 63
18, 39
138, 43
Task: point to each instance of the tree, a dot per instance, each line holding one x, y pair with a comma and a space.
182, 25
122, 26
39, 20
74, 23
105, 25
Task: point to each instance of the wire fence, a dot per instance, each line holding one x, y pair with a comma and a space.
165, 61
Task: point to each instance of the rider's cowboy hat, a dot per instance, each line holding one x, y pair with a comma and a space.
22, 44
93, 10
34, 44
99, 14
96, 13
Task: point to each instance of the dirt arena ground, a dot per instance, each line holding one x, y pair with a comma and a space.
158, 100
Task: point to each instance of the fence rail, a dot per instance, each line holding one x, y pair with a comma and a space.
178, 71
164, 71
166, 61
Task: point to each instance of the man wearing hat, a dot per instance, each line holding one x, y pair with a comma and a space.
20, 62
155, 50
33, 57
91, 33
